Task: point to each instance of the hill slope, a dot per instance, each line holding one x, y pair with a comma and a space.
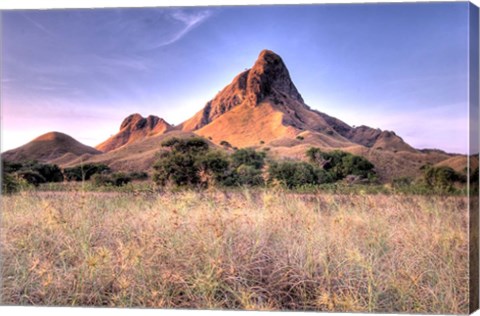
48, 147
135, 128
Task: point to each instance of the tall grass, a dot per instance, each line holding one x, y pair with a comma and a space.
241, 250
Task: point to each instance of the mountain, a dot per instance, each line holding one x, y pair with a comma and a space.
260, 108
262, 105
135, 128
48, 147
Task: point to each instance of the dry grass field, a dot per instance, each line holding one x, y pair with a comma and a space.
263, 251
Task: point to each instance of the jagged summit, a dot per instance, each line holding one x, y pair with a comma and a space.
269, 77
133, 128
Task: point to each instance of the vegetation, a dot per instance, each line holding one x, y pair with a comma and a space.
268, 250
115, 179
190, 162
441, 179
85, 171
293, 174
16, 174
340, 164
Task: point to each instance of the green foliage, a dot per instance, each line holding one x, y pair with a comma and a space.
192, 145
441, 178
341, 164
30, 172
177, 167
9, 184
300, 137
248, 157
85, 171
51, 173
402, 182
193, 164
31, 177
214, 167
294, 174
138, 175
114, 179
249, 176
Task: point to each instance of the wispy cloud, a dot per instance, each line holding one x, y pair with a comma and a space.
37, 25
189, 21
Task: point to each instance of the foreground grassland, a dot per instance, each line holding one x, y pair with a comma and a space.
244, 250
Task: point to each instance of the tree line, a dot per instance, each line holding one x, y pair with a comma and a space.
191, 162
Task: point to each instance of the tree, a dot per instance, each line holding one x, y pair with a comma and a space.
294, 174
441, 178
341, 164
248, 157
181, 164
85, 171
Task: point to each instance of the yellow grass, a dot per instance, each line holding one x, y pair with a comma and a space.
263, 251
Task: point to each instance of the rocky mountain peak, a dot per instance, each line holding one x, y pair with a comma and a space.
133, 128
269, 77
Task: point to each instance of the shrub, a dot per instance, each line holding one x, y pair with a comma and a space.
191, 145
300, 137
9, 184
214, 167
51, 173
181, 165
138, 175
249, 176
341, 164
84, 172
249, 157
32, 177
225, 144
441, 178
293, 174
114, 179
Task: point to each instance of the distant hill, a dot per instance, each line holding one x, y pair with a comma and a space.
48, 147
135, 128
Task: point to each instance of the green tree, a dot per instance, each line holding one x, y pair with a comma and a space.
248, 157
294, 174
180, 165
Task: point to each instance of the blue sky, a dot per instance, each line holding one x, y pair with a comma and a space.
401, 67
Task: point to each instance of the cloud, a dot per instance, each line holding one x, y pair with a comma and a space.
189, 21
37, 25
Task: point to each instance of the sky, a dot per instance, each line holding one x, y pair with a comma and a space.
400, 67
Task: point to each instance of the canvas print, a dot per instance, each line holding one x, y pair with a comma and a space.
277, 157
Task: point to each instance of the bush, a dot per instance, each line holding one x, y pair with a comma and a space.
180, 165
138, 175
225, 144
341, 164
9, 184
249, 176
31, 177
248, 157
441, 178
84, 172
191, 145
51, 173
114, 179
293, 174
300, 137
